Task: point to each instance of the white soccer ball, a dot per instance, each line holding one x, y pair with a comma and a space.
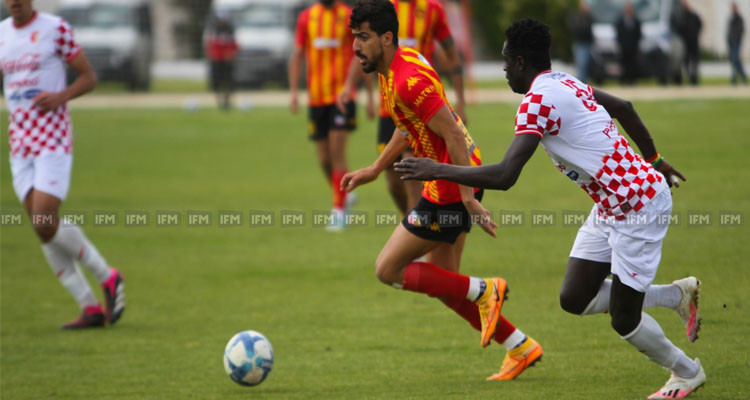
248, 358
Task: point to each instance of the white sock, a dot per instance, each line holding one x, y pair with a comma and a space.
70, 238
69, 275
514, 340
650, 340
668, 296
600, 302
476, 288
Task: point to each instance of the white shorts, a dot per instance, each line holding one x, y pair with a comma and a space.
48, 173
632, 246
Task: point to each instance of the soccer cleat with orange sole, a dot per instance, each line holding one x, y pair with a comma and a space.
490, 303
517, 360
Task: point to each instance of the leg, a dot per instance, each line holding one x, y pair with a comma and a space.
398, 253
324, 157
644, 333
337, 149
580, 291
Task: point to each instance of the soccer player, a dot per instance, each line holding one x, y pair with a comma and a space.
323, 36
428, 124
33, 49
421, 23
623, 234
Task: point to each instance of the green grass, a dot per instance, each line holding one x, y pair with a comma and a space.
336, 331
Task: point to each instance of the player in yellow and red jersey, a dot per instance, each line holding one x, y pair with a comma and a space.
437, 226
421, 24
323, 36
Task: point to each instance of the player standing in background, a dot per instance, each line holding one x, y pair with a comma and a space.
323, 36
438, 225
623, 234
421, 23
33, 49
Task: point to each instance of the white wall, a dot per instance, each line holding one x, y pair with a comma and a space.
715, 17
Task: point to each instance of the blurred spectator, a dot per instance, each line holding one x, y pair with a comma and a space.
580, 23
221, 48
628, 28
734, 40
688, 26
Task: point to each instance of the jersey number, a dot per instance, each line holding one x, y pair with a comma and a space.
586, 96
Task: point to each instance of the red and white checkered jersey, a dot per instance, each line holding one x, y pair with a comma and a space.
32, 59
585, 144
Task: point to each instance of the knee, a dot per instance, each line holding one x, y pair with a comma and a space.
571, 302
45, 232
383, 272
624, 321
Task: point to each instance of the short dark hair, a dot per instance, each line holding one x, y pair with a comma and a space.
379, 13
531, 40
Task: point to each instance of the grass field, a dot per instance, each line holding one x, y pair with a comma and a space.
337, 332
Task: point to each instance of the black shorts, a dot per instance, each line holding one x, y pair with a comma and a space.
440, 223
386, 126
222, 75
325, 118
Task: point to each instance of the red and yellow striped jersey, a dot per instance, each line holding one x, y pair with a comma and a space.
414, 93
324, 34
420, 23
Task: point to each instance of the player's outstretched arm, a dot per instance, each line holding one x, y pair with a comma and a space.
500, 176
393, 149
84, 83
624, 112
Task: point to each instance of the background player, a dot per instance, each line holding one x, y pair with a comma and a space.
323, 36
421, 23
623, 234
432, 129
33, 49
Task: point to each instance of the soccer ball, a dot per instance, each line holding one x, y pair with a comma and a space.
248, 358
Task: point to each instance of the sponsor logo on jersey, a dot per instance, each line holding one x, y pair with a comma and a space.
573, 175
15, 96
326, 43
34, 36
31, 93
411, 82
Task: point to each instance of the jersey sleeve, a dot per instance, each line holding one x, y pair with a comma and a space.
537, 117
442, 30
421, 96
300, 33
65, 45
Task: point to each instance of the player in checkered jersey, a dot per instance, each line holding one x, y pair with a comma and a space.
33, 49
623, 234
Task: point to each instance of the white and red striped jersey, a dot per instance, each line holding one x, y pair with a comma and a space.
32, 60
585, 144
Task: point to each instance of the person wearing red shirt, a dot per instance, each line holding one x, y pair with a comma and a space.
436, 228
221, 48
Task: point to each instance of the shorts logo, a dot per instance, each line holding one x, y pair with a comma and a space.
339, 120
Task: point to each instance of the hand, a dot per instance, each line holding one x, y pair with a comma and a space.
671, 174
294, 104
481, 216
343, 97
49, 101
419, 169
358, 177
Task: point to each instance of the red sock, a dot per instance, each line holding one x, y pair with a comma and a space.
468, 311
434, 281
339, 196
